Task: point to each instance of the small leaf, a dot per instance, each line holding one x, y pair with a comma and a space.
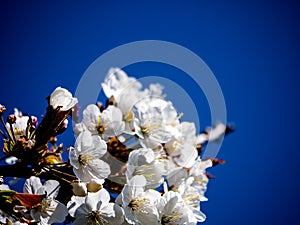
28, 200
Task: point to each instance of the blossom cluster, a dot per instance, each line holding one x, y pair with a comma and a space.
134, 161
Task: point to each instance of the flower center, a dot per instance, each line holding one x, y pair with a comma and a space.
100, 129
83, 160
134, 204
100, 126
45, 204
193, 201
96, 218
129, 117
167, 219
146, 130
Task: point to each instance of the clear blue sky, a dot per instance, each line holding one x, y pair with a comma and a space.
251, 46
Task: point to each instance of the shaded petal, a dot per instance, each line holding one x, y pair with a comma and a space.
82, 210
152, 195
35, 213
118, 218
59, 214
149, 216
73, 156
81, 220
200, 216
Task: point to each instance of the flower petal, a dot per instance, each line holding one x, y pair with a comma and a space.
32, 185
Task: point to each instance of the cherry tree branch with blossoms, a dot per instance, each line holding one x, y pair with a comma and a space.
134, 160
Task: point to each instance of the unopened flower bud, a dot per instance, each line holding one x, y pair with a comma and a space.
33, 121
11, 119
216, 161
62, 99
100, 106
2, 109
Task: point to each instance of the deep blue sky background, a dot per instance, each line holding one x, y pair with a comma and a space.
251, 46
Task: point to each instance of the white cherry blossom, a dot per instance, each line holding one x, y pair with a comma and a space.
95, 209
107, 124
140, 205
156, 121
85, 157
172, 209
192, 199
50, 210
127, 92
144, 162
116, 81
182, 146
200, 180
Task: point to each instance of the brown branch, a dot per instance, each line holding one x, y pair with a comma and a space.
16, 170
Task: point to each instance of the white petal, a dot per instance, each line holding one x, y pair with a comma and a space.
134, 188
200, 216
102, 195
188, 156
82, 210
152, 195
188, 131
202, 138
91, 202
74, 204
32, 185
91, 116
113, 113
51, 187
96, 169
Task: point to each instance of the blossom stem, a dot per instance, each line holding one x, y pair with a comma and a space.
60, 123
59, 164
61, 173
3, 123
61, 178
31, 135
3, 134
27, 130
12, 132
16, 170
